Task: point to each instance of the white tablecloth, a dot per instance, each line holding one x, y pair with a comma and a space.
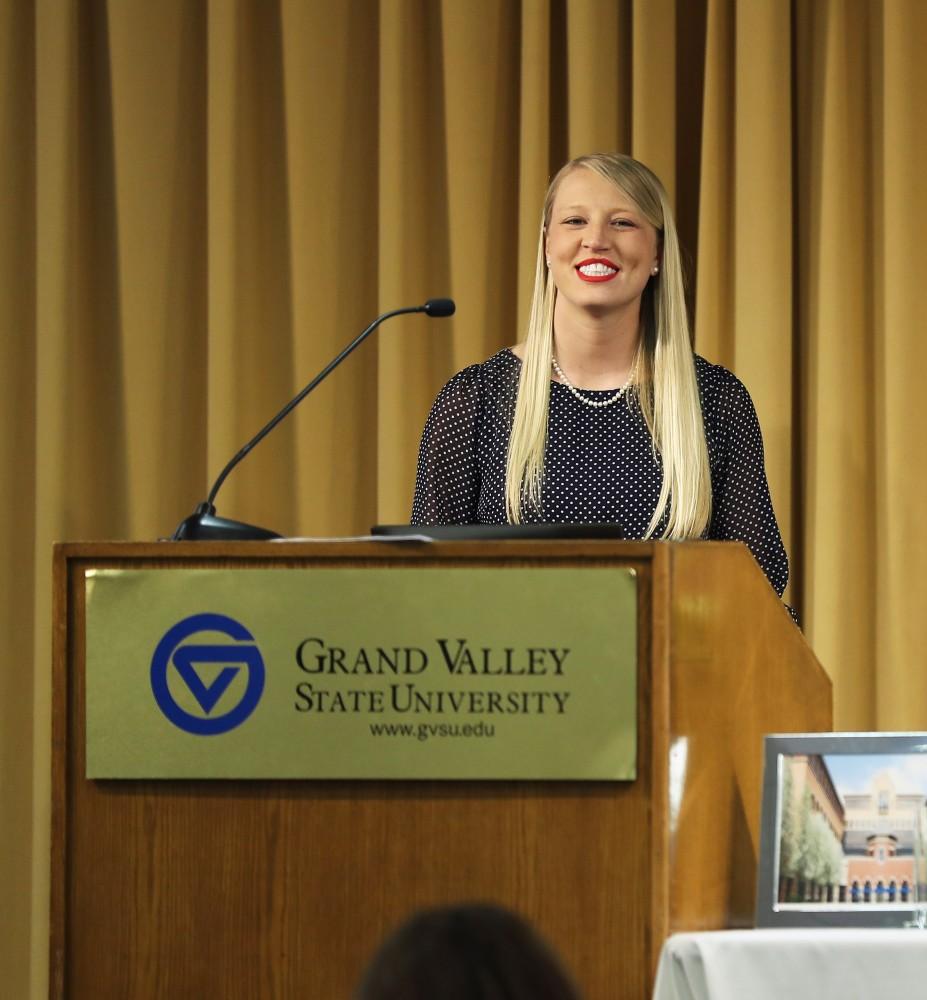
799, 964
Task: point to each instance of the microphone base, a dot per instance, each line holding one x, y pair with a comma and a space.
204, 526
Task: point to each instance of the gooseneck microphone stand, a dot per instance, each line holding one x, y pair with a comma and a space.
203, 524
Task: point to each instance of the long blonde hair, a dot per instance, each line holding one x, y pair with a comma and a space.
665, 387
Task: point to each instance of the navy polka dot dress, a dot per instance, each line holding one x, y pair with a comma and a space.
599, 466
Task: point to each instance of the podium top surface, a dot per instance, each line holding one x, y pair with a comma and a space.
363, 546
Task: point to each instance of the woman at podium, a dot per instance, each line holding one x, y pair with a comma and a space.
603, 414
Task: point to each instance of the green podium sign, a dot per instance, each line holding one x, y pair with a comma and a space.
334, 672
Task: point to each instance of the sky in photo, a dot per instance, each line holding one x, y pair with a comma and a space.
854, 772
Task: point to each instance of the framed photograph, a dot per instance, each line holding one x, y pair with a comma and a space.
843, 840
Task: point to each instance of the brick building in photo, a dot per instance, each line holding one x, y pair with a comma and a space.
839, 846
884, 842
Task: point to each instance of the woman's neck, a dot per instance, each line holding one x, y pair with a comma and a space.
596, 352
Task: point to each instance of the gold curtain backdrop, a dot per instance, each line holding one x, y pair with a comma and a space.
202, 202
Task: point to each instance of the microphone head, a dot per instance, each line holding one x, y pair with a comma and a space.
440, 307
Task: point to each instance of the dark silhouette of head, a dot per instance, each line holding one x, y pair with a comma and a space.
466, 952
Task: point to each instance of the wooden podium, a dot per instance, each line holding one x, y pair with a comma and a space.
279, 889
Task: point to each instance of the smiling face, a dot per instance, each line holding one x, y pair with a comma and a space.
602, 250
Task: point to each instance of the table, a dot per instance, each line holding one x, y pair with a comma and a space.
798, 964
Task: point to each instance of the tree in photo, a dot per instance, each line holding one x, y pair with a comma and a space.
788, 838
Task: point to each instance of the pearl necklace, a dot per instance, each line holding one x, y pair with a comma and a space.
595, 403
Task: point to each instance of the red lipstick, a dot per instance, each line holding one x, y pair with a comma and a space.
613, 270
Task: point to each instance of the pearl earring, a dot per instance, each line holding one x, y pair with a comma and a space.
548, 261
655, 270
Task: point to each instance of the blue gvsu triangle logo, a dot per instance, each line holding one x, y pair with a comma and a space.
192, 661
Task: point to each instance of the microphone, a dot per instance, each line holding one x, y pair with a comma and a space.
202, 524
439, 307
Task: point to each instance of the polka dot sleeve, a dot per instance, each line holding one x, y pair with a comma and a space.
741, 505
447, 484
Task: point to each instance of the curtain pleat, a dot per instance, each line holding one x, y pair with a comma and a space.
714, 304
535, 156
837, 250
743, 296
156, 188
203, 202
481, 80
414, 353
652, 105
899, 221
17, 488
599, 76
251, 335
332, 176
760, 241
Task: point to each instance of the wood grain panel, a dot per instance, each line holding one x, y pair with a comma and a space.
283, 889
729, 687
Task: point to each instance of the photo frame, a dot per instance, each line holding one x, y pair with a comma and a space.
843, 839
